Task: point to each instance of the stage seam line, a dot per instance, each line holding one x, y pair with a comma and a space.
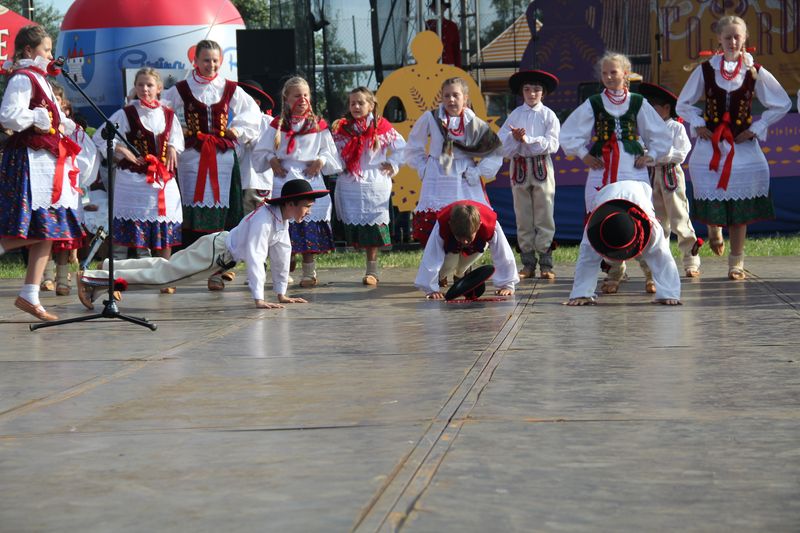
439, 434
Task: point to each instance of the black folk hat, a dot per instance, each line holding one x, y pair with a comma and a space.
533, 77
653, 91
472, 285
254, 89
297, 189
618, 230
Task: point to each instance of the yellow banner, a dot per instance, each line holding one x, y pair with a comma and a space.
689, 28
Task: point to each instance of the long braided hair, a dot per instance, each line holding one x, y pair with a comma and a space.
286, 112
370, 96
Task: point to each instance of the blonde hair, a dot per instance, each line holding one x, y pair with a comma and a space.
149, 71
286, 112
465, 220
31, 35
370, 96
614, 57
457, 81
206, 44
731, 20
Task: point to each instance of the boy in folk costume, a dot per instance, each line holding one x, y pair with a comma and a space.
371, 151
210, 187
529, 135
298, 145
669, 184
256, 185
461, 233
730, 174
462, 149
620, 125
39, 191
624, 226
261, 234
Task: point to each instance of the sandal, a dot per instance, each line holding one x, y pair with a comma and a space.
736, 273
308, 282
526, 272
370, 279
609, 286
168, 290
547, 274
650, 286
692, 272
230, 275
215, 283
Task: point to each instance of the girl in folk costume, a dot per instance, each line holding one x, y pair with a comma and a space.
209, 182
372, 151
730, 175
529, 136
56, 275
39, 190
462, 149
147, 207
628, 135
298, 145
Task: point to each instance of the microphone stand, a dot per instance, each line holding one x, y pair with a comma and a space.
110, 309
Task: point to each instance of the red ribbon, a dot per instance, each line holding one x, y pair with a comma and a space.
157, 173
208, 166
722, 133
67, 148
610, 160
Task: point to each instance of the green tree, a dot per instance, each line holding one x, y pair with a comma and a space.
49, 17
339, 82
507, 12
255, 13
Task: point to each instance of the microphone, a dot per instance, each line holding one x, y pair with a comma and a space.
54, 67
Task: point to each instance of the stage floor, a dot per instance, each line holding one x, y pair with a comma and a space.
374, 409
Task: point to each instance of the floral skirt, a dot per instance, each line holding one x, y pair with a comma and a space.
360, 235
146, 234
214, 219
17, 219
733, 212
311, 237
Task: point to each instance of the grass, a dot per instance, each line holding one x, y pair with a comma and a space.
11, 265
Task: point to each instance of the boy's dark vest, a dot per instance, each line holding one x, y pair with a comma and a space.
727, 114
485, 230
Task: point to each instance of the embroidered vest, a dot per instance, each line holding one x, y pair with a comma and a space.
738, 103
145, 140
605, 125
30, 138
482, 238
197, 116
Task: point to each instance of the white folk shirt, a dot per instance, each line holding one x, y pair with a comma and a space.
245, 119
135, 199
364, 200
251, 178
505, 274
261, 234
16, 116
542, 129
681, 145
440, 188
308, 148
576, 135
656, 253
750, 172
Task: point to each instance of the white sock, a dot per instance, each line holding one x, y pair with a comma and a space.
372, 268
310, 269
30, 293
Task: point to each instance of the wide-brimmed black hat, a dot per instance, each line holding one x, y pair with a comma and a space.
533, 77
472, 285
618, 230
254, 89
651, 90
297, 189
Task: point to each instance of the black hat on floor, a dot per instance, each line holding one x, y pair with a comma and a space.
472, 285
297, 189
618, 230
653, 91
533, 77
